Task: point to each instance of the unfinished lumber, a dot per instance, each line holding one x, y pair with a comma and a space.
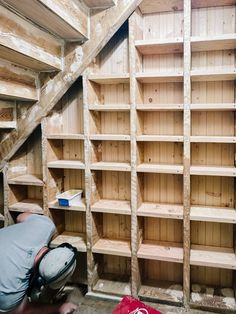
151, 47
68, 20
100, 4
7, 114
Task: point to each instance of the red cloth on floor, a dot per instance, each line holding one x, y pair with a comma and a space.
129, 305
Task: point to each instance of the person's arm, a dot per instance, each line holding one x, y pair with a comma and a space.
22, 217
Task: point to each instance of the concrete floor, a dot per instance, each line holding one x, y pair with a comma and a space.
89, 305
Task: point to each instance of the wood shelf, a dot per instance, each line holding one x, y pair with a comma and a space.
66, 164
112, 247
213, 139
112, 287
159, 107
213, 214
119, 78
109, 137
166, 291
149, 209
220, 75
170, 252
213, 171
80, 208
111, 166
76, 239
214, 107
28, 205
27, 179
151, 47
65, 136
159, 138
112, 206
160, 77
213, 257
110, 107
220, 42
160, 168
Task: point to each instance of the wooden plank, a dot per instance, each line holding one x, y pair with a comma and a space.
75, 64
159, 77
95, 4
108, 107
55, 205
2, 218
213, 171
112, 166
217, 75
7, 114
161, 252
213, 214
112, 247
119, 78
112, 206
214, 107
159, 138
150, 47
76, 239
112, 287
65, 136
66, 164
149, 209
160, 168
213, 257
27, 179
213, 139
68, 20
25, 44
159, 107
17, 83
28, 205
220, 42
109, 137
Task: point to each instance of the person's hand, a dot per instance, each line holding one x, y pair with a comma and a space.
67, 308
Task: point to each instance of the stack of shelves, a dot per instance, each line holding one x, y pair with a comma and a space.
213, 172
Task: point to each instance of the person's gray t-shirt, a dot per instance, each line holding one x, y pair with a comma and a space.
19, 245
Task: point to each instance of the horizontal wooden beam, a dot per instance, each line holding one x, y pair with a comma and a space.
67, 19
17, 82
25, 44
100, 4
103, 26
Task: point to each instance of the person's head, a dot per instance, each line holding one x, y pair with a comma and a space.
57, 266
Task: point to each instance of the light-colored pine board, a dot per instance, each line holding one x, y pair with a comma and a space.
109, 137
112, 247
159, 138
68, 20
100, 4
214, 107
160, 168
28, 205
112, 166
150, 209
220, 42
112, 206
217, 75
110, 107
150, 47
65, 136
109, 78
213, 171
159, 77
213, 257
159, 107
213, 139
111, 287
66, 164
168, 292
55, 205
213, 214
76, 239
2, 218
161, 252
27, 179
8, 125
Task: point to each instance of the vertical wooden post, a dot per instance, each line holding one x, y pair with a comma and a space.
8, 219
44, 166
187, 131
